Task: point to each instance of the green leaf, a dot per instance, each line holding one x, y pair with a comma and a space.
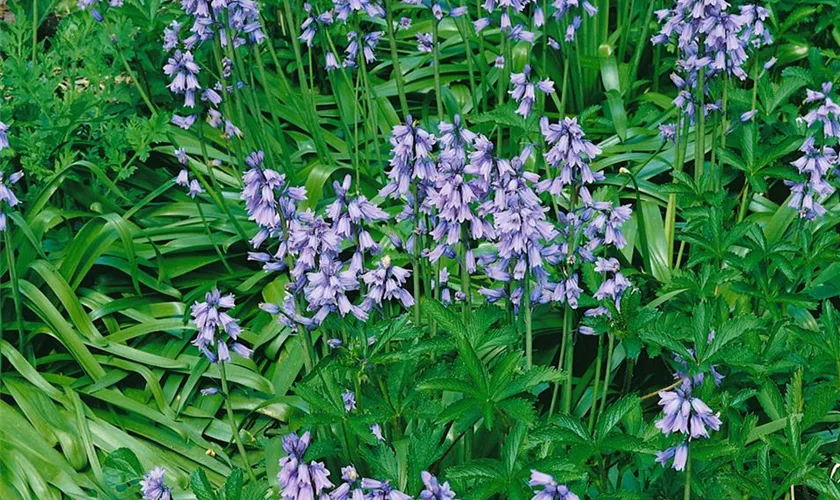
121, 468
201, 487
445, 317
613, 415
233, 485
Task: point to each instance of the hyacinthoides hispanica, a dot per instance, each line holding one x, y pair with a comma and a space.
712, 47
8, 201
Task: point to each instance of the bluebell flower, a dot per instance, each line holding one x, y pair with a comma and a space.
152, 486
615, 283
170, 36
411, 148
350, 489
183, 71
210, 318
382, 490
376, 430
433, 490
349, 400
571, 153
518, 33
425, 43
668, 131
752, 18
350, 214
327, 288
524, 91
297, 480
386, 283
8, 199
806, 196
268, 196
480, 24
310, 238
827, 113
344, 8
458, 12
184, 122
551, 489
679, 454
685, 414
311, 24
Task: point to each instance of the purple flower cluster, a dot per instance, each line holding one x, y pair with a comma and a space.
8, 200
382, 490
152, 485
551, 490
314, 243
411, 159
818, 163
712, 40
210, 318
94, 12
386, 283
313, 23
433, 490
687, 415
350, 216
241, 26
570, 153
524, 91
299, 481
573, 9
183, 179
351, 488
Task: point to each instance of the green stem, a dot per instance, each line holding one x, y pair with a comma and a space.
529, 334
671, 209
607, 375
415, 275
568, 332
34, 30
436, 61
465, 276
468, 52
10, 260
724, 123
395, 60
687, 490
742, 210
309, 103
640, 46
233, 427
133, 77
700, 132
210, 237
564, 347
598, 363
565, 86
272, 106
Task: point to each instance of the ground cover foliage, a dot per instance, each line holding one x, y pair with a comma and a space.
384, 249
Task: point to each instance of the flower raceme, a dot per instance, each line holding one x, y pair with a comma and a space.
551, 489
299, 481
686, 415
152, 485
216, 328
